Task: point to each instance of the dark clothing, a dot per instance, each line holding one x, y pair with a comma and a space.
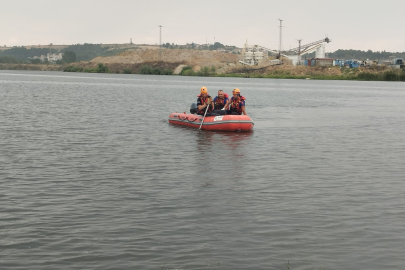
218, 112
229, 112
201, 101
220, 103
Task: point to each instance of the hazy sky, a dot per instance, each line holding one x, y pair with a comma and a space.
355, 24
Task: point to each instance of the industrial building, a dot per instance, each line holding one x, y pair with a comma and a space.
253, 55
319, 62
258, 55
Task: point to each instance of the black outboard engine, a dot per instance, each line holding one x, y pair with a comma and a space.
193, 108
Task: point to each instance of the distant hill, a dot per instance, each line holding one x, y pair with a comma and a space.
22, 53
84, 52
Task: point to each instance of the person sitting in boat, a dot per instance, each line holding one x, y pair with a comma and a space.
220, 100
236, 105
204, 100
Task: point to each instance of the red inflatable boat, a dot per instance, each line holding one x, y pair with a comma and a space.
215, 123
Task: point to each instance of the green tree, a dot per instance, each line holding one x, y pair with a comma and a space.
216, 46
102, 68
69, 57
146, 70
9, 59
36, 61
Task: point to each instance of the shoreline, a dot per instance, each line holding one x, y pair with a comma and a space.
353, 74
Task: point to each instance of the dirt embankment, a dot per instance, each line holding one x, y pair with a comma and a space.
171, 58
301, 71
135, 59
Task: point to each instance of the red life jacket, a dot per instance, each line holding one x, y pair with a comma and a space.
203, 100
236, 105
219, 103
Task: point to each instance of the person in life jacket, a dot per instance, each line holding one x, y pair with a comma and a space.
204, 100
220, 100
236, 104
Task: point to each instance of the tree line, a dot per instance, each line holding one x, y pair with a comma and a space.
21, 54
77, 52
363, 55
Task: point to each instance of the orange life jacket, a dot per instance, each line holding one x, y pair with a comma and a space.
236, 104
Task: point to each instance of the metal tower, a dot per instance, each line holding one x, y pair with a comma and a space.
160, 42
281, 38
299, 51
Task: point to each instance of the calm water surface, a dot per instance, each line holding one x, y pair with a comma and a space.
93, 177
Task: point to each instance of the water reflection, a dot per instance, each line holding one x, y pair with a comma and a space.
228, 149
233, 140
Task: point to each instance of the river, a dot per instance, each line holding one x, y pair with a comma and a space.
92, 176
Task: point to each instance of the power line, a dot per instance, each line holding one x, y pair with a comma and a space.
206, 29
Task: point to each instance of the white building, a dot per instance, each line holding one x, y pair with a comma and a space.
53, 57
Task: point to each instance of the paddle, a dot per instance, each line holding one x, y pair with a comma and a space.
204, 116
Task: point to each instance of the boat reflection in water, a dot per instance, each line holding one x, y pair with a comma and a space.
213, 139
210, 148
224, 148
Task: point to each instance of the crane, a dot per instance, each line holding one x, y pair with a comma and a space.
308, 48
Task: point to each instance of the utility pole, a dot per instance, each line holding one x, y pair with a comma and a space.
280, 39
160, 42
299, 51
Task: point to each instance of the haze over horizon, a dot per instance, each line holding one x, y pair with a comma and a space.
360, 25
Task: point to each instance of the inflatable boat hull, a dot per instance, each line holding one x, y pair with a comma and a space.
214, 123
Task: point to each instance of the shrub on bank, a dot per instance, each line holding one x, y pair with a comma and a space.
73, 69
126, 71
102, 68
187, 71
90, 70
155, 71
205, 71
369, 76
167, 72
389, 76
35, 61
99, 69
146, 70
